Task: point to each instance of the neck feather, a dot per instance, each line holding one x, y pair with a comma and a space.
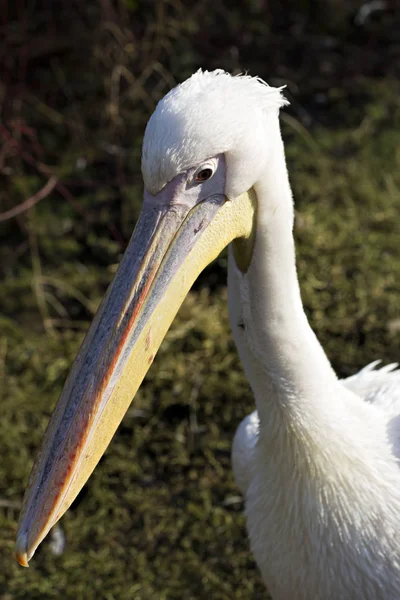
276, 344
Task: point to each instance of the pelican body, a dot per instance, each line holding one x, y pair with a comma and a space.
318, 461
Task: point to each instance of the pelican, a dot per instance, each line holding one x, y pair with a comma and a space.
318, 461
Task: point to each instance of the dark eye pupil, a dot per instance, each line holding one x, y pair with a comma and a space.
204, 174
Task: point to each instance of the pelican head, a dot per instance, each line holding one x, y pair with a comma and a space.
204, 149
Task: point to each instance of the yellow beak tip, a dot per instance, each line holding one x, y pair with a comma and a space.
20, 550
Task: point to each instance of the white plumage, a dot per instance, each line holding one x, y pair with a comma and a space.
318, 461
378, 386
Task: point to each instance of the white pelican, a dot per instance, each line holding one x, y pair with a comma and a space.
318, 462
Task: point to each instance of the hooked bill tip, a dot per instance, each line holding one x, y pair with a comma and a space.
20, 550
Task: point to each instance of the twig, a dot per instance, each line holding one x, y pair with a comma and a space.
24, 206
45, 170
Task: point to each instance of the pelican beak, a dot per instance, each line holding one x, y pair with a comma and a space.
170, 246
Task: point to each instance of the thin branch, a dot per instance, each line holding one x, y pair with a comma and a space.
24, 206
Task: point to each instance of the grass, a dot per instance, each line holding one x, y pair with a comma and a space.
161, 517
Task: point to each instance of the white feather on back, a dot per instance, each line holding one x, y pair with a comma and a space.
378, 386
242, 450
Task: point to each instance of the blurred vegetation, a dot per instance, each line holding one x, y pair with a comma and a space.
160, 517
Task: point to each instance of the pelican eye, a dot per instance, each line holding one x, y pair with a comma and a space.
204, 174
